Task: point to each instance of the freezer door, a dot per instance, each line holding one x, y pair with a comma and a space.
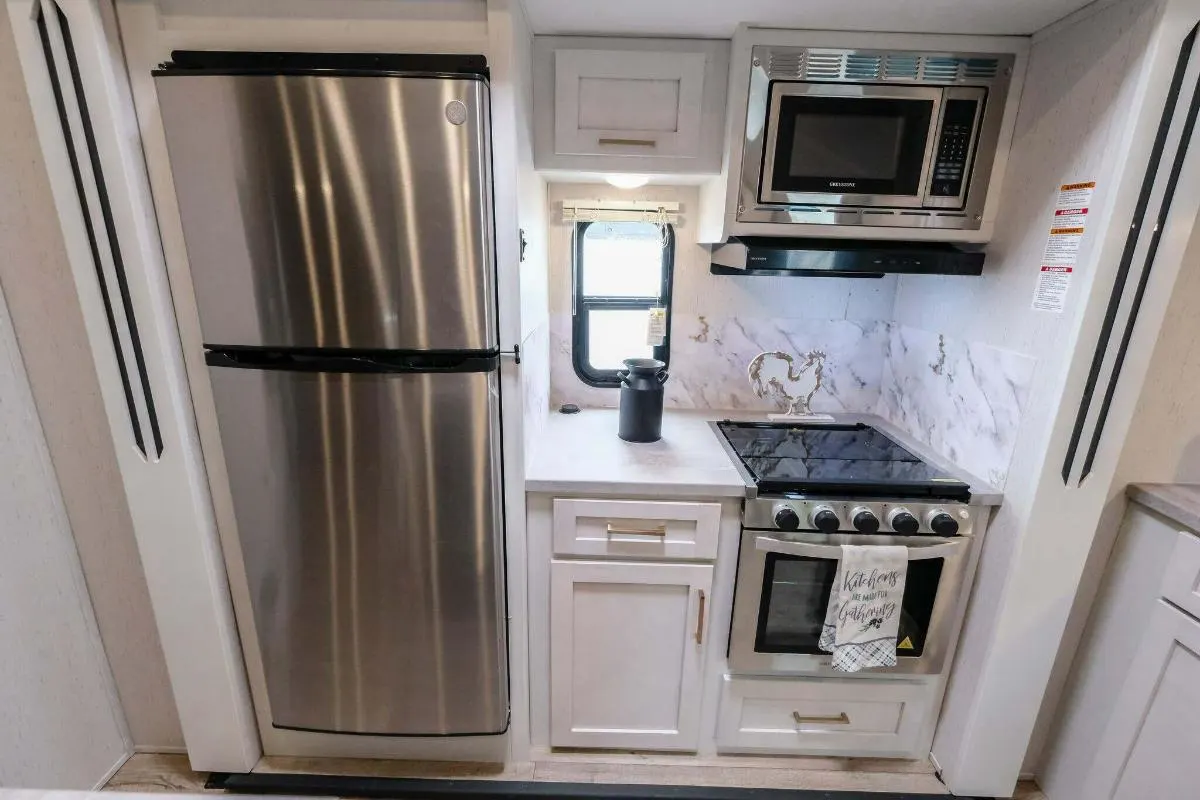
368, 513
335, 211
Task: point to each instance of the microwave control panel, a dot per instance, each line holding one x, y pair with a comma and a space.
954, 147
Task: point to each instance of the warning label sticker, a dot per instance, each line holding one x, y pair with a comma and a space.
906, 644
1067, 227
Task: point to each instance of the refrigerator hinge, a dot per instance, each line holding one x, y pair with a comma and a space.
515, 353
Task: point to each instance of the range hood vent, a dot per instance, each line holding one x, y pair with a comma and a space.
841, 258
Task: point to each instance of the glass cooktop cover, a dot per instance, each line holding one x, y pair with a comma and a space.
852, 459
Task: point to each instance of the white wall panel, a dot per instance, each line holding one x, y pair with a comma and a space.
1094, 97
49, 325
61, 725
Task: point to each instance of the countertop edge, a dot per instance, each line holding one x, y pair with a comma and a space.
982, 494
1180, 502
626, 488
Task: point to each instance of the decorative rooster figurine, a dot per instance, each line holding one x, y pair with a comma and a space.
773, 373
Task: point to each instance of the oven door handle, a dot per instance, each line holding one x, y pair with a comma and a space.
937, 548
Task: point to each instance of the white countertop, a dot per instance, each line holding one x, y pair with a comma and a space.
581, 453
1177, 501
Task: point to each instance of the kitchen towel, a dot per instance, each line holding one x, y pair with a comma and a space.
863, 615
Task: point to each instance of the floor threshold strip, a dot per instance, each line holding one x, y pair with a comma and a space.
436, 788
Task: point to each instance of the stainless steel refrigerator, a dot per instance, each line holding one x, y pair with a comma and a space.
337, 214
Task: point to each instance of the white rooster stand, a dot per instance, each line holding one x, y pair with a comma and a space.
775, 375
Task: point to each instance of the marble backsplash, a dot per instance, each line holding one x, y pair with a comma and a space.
962, 399
535, 383
709, 358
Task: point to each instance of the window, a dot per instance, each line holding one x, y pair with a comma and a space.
622, 270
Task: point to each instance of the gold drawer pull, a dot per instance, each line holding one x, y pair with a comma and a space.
628, 142
700, 620
833, 719
658, 530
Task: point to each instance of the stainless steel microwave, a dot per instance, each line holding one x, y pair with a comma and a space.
880, 138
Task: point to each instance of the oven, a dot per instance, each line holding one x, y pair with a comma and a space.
784, 580
871, 138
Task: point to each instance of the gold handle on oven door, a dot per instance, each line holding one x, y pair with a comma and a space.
833, 719
627, 142
700, 620
657, 530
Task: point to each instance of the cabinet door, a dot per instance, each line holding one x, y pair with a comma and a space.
626, 654
612, 102
1149, 751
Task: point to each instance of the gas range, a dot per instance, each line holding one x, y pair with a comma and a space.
842, 478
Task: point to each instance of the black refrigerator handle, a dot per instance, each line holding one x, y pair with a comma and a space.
352, 361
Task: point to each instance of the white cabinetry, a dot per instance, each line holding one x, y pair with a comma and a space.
823, 715
627, 645
629, 105
1128, 725
636, 529
1149, 751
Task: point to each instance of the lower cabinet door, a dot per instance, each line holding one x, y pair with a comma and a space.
627, 645
1151, 747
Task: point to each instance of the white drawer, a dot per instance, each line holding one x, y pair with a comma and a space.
1181, 583
822, 716
636, 529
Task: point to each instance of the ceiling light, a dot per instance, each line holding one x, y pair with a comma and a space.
627, 181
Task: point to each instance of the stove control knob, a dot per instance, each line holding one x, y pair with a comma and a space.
786, 518
941, 523
825, 519
903, 522
864, 520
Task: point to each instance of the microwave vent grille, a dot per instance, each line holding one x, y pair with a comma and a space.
841, 65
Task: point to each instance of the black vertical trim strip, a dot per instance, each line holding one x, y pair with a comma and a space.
59, 101
110, 230
1185, 139
1139, 216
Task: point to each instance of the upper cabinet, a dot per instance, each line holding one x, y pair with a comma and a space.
629, 105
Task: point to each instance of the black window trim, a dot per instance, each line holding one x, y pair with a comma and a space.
580, 305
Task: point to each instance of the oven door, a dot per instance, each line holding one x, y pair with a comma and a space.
849, 144
783, 587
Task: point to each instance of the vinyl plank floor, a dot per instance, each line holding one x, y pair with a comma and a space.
171, 774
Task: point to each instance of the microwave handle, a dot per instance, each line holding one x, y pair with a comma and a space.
937, 548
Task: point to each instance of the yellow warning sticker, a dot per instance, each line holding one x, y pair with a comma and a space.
906, 644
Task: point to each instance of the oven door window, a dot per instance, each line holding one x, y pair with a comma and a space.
850, 145
795, 594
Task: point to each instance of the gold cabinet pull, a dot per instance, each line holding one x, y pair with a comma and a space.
627, 142
832, 719
700, 620
657, 530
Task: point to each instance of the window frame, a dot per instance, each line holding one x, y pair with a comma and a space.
582, 304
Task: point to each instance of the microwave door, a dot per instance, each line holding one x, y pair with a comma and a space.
849, 145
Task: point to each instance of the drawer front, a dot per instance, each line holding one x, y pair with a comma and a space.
636, 529
815, 715
1181, 583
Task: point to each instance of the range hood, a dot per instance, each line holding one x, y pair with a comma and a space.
841, 258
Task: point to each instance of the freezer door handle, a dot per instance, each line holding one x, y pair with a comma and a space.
341, 361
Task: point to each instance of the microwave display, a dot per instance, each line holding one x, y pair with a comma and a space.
839, 145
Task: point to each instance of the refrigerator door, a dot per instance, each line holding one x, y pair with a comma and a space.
369, 515
335, 211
